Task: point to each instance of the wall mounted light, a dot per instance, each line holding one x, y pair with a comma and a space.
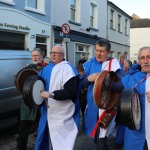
88, 29
32, 36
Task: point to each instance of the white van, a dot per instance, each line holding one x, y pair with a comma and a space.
11, 61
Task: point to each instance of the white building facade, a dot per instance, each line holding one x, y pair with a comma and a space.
140, 30
24, 25
87, 20
38, 23
118, 31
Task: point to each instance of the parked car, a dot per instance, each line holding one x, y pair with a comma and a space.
11, 61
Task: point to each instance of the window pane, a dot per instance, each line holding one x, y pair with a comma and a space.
72, 14
40, 39
72, 3
91, 21
14, 41
80, 48
32, 3
92, 10
92, 7
72, 10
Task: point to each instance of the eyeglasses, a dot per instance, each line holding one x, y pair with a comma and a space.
142, 58
56, 53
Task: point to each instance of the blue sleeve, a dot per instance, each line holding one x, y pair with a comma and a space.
125, 80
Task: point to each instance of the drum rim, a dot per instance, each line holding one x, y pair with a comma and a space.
98, 87
19, 83
28, 91
128, 114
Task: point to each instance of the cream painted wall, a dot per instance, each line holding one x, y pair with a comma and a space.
139, 37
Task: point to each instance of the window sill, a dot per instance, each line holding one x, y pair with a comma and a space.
112, 29
35, 10
74, 22
94, 29
7, 2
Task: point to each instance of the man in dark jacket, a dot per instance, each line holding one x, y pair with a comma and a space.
82, 60
28, 115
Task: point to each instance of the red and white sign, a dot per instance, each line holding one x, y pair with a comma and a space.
65, 28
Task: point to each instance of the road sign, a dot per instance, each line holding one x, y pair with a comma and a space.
65, 28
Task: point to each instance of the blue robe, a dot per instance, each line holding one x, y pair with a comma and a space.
43, 139
134, 139
91, 112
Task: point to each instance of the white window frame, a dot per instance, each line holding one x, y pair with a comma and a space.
119, 23
40, 7
94, 15
10, 2
126, 27
76, 9
112, 19
112, 54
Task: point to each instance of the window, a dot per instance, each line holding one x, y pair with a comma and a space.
13, 41
119, 53
119, 23
41, 42
112, 26
93, 15
36, 6
111, 54
126, 26
72, 10
10, 2
57, 41
75, 10
32, 3
82, 49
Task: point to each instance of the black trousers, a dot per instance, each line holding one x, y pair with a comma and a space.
145, 146
24, 131
101, 143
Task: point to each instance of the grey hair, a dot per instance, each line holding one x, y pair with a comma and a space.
38, 50
61, 47
142, 48
145, 47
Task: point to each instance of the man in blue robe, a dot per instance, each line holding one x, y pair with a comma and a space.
59, 118
138, 77
93, 67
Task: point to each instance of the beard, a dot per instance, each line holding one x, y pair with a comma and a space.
37, 61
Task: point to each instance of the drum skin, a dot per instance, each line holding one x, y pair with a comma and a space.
103, 97
130, 109
22, 75
31, 91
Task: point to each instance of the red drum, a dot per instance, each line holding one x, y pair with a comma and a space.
31, 91
103, 97
130, 109
22, 75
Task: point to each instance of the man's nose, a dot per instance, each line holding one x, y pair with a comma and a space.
146, 60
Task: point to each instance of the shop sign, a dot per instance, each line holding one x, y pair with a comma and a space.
6, 25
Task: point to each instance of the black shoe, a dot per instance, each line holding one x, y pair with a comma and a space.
35, 134
16, 148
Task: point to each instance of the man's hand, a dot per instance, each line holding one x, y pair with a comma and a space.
148, 96
44, 94
92, 77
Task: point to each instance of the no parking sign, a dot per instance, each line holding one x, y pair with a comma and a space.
65, 28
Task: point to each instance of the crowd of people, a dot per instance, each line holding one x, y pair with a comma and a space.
69, 90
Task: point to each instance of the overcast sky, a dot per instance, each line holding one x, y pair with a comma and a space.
139, 7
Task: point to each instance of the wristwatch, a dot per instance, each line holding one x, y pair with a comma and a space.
51, 95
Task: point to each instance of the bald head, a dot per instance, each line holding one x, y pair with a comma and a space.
57, 54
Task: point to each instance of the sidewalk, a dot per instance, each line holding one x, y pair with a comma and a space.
9, 142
